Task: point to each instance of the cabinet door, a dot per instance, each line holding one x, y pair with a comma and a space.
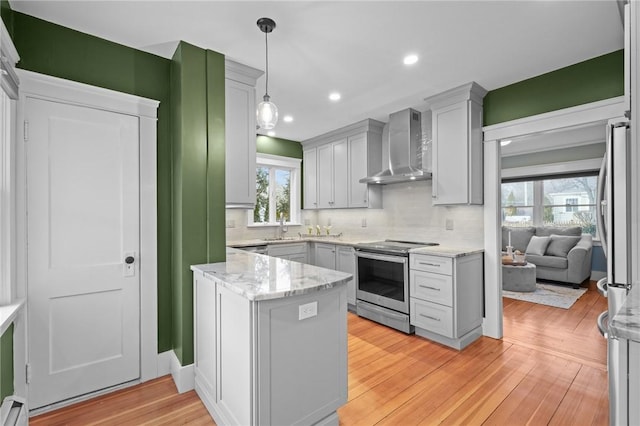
298, 257
358, 168
346, 262
326, 255
310, 165
340, 174
450, 165
634, 383
240, 144
325, 176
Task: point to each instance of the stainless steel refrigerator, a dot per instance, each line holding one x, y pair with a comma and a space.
614, 228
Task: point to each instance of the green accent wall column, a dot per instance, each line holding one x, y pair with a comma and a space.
54, 50
6, 363
197, 87
589, 81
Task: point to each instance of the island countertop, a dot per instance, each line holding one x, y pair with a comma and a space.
259, 277
626, 322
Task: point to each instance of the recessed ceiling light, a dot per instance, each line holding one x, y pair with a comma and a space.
271, 133
287, 119
505, 143
335, 96
410, 59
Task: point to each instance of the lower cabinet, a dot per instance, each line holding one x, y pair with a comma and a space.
290, 251
341, 258
446, 298
258, 363
634, 383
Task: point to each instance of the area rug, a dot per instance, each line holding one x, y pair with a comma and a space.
558, 296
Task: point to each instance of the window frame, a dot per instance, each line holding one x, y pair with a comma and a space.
539, 205
287, 163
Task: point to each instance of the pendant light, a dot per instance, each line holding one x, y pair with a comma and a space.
267, 113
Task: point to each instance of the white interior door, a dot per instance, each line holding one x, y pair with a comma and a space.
83, 223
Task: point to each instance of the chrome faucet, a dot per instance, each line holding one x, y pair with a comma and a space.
283, 227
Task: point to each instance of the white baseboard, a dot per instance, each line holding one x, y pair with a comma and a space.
183, 376
164, 363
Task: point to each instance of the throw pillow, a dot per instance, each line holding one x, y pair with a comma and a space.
559, 245
538, 245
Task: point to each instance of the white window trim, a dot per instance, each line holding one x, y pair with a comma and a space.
285, 163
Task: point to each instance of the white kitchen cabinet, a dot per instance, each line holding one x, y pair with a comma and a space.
332, 175
340, 159
457, 155
290, 251
446, 298
634, 383
364, 160
310, 178
240, 134
325, 255
346, 262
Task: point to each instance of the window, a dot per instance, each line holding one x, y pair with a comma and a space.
566, 201
277, 191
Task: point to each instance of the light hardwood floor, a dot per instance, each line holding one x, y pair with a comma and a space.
550, 368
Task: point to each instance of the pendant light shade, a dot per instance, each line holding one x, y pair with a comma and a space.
267, 112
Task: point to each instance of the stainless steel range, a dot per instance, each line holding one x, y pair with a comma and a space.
382, 278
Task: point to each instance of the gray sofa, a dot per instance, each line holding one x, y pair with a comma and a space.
560, 254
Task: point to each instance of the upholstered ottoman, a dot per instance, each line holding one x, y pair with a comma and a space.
519, 278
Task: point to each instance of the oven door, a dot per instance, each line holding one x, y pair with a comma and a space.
383, 280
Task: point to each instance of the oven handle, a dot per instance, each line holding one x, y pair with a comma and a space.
383, 257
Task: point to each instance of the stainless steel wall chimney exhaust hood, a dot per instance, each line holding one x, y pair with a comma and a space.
405, 150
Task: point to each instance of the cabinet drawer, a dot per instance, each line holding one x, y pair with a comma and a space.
432, 317
428, 263
283, 250
431, 287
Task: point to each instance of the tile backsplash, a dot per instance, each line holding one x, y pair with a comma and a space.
407, 214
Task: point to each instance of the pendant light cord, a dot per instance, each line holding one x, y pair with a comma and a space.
266, 60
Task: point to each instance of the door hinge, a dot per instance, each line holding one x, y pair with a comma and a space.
26, 130
27, 368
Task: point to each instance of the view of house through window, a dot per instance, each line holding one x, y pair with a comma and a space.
277, 183
567, 201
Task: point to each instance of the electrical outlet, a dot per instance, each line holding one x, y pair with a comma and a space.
449, 225
307, 222
329, 222
364, 222
231, 223
307, 310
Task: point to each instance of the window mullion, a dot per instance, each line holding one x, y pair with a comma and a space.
538, 203
272, 195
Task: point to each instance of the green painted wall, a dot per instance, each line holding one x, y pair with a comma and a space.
278, 146
589, 81
197, 86
58, 51
7, 16
6, 363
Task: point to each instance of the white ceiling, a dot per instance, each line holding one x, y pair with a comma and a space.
357, 47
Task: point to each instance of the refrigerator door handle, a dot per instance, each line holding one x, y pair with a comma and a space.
601, 205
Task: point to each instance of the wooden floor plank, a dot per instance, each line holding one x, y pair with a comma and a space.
550, 368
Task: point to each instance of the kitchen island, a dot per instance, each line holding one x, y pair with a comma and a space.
270, 340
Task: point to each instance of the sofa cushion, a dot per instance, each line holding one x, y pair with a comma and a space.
546, 231
520, 237
548, 261
559, 245
538, 245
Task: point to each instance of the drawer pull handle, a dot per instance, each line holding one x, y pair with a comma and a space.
430, 317
430, 288
429, 264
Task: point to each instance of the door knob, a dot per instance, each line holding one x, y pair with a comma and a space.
129, 260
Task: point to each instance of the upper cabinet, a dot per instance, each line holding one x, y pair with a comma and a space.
335, 162
457, 163
240, 134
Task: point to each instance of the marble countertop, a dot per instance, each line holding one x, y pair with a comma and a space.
447, 251
441, 250
259, 277
626, 322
